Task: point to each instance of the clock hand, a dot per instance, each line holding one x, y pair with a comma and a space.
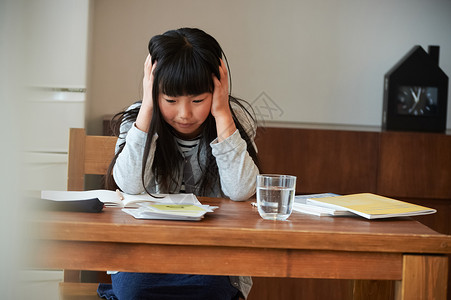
416, 98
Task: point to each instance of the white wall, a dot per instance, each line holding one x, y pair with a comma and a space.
56, 41
11, 215
56, 37
45, 58
321, 61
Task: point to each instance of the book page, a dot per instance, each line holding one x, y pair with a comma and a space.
130, 200
112, 198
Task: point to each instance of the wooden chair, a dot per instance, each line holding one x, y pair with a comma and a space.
88, 155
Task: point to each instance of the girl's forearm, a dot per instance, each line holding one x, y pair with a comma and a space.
225, 127
143, 119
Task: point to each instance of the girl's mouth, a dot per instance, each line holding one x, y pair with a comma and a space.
185, 125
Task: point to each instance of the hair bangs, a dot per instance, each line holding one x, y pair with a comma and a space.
181, 77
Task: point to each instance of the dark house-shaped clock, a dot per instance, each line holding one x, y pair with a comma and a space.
416, 93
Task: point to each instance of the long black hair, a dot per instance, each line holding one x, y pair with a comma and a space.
186, 59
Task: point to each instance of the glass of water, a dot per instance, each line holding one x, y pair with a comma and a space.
275, 196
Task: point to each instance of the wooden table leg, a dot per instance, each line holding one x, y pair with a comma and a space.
72, 276
423, 277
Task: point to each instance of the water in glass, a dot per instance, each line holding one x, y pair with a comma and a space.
274, 202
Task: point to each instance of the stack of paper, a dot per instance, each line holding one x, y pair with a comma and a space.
300, 205
161, 211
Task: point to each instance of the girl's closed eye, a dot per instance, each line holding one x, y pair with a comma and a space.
170, 100
198, 101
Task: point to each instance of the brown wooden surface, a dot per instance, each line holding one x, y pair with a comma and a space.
234, 240
87, 155
98, 154
323, 160
78, 291
72, 276
220, 260
76, 156
266, 288
373, 289
441, 220
433, 274
415, 165
237, 224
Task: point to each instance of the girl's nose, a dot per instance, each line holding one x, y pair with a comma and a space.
185, 111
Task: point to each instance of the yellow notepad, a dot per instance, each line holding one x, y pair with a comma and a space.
372, 206
176, 207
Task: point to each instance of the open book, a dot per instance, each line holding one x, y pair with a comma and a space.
371, 206
118, 199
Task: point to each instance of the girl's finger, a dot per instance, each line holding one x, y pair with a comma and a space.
148, 66
221, 69
224, 67
153, 67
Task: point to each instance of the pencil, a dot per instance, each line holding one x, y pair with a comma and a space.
119, 194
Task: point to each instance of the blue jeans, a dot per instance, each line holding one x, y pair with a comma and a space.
141, 286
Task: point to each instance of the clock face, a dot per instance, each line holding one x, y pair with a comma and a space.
417, 100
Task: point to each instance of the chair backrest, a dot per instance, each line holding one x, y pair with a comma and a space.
88, 154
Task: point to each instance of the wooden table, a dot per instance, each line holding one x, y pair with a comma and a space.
234, 240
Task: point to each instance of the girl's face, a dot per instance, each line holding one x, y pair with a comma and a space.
186, 114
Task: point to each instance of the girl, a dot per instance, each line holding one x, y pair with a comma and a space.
187, 135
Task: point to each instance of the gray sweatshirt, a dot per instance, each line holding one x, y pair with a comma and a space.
237, 170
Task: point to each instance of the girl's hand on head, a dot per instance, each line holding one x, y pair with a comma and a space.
148, 81
220, 102
145, 112
220, 108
